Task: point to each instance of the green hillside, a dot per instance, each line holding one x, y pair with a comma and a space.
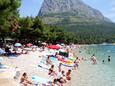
91, 32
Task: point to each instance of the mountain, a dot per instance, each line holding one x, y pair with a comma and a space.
69, 11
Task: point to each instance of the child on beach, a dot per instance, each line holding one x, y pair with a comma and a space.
24, 80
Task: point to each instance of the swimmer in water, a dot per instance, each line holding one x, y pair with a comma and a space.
103, 61
109, 59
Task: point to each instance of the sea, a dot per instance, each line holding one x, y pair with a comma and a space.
101, 74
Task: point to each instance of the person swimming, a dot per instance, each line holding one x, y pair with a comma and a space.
103, 61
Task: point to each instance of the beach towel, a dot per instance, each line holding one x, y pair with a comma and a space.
41, 80
68, 65
53, 59
44, 66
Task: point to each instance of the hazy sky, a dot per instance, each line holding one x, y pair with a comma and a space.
107, 7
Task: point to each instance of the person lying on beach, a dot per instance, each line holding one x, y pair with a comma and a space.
24, 80
48, 61
52, 71
68, 75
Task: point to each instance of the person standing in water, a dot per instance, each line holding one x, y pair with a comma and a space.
109, 58
94, 59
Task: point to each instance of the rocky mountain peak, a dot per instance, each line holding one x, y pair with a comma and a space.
61, 9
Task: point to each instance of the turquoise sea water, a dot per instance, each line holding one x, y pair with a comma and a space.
102, 52
101, 74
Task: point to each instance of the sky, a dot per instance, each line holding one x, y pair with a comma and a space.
106, 7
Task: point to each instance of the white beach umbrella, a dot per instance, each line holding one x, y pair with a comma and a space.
44, 43
59, 45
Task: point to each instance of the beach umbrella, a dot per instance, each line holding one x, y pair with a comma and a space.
44, 43
34, 46
62, 44
18, 45
59, 45
1, 59
29, 44
54, 47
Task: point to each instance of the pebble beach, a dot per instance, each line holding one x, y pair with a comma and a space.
86, 74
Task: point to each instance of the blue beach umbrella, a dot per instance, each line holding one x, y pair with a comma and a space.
18, 45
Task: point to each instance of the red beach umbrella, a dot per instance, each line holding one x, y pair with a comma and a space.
54, 47
29, 44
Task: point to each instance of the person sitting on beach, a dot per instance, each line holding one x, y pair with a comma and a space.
24, 80
68, 77
51, 71
48, 61
60, 79
55, 83
63, 77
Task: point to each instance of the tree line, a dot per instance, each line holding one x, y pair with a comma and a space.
28, 29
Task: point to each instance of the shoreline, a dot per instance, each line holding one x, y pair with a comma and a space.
84, 76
